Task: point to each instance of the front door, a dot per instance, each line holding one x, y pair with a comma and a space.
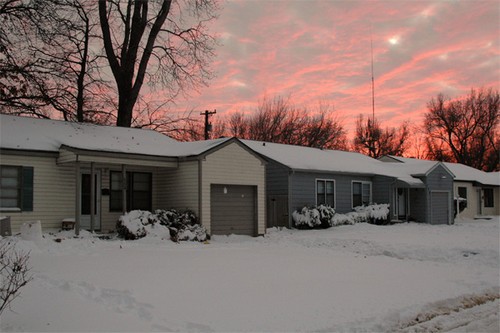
85, 196
401, 203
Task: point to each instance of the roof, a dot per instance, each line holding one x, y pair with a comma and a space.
45, 135
462, 172
301, 158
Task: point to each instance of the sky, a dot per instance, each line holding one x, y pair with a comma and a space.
320, 52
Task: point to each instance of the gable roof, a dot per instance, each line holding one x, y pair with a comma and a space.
462, 172
309, 159
45, 135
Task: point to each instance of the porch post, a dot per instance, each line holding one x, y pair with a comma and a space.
408, 212
92, 196
78, 190
124, 189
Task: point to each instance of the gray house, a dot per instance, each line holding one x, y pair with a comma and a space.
480, 189
301, 176
54, 170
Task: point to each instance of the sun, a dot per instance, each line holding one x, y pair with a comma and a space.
394, 40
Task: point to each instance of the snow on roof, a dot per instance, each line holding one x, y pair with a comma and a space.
315, 159
49, 135
462, 172
467, 173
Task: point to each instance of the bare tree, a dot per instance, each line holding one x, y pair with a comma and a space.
47, 62
278, 120
14, 273
372, 140
465, 130
154, 41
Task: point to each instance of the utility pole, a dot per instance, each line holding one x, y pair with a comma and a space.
208, 126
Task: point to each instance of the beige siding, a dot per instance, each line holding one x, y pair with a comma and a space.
472, 200
53, 191
233, 165
178, 189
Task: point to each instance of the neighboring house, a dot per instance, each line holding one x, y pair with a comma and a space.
301, 176
53, 170
481, 189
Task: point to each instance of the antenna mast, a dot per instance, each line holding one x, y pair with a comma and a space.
373, 81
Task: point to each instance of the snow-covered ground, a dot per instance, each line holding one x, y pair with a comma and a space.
408, 278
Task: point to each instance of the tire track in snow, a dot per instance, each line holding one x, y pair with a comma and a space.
120, 301
473, 313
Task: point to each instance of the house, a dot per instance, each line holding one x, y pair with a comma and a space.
301, 176
53, 170
480, 189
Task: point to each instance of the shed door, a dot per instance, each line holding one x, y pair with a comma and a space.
440, 207
233, 209
277, 211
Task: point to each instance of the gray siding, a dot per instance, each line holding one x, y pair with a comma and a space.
382, 190
418, 204
303, 189
439, 180
276, 179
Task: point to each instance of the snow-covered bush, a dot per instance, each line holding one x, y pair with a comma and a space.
178, 226
132, 225
325, 216
376, 214
314, 217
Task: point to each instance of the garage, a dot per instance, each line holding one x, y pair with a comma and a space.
440, 209
233, 209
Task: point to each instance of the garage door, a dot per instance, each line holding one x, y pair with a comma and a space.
440, 209
233, 209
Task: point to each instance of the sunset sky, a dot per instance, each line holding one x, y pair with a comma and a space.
319, 51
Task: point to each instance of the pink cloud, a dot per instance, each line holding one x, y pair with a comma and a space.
320, 51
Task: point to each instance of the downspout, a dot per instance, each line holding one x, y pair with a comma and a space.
77, 197
290, 197
92, 196
200, 192
124, 190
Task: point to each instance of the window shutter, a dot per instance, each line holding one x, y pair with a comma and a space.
27, 189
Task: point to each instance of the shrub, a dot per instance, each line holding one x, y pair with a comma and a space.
14, 273
314, 217
324, 216
376, 214
132, 225
178, 226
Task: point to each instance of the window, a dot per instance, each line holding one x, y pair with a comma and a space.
10, 193
139, 193
361, 193
462, 193
16, 188
325, 192
488, 198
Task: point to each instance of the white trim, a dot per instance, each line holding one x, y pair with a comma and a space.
334, 190
361, 182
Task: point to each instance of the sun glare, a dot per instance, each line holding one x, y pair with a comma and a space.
394, 40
